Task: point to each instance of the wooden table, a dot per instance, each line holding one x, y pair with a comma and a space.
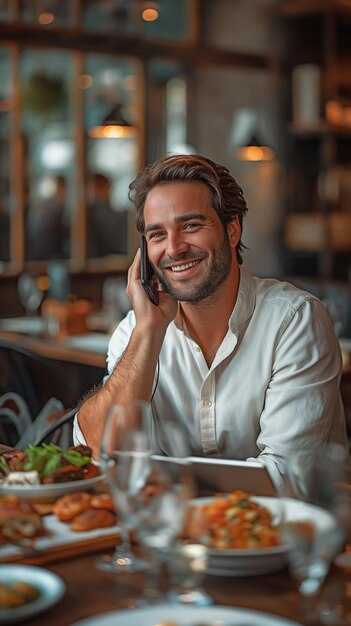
55, 349
40, 368
91, 591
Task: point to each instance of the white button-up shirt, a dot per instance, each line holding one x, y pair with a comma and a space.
272, 387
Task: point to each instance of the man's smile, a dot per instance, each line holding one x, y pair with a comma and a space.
184, 266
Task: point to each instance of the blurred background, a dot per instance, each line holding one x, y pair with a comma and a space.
91, 90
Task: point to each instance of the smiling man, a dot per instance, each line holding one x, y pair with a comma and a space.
251, 366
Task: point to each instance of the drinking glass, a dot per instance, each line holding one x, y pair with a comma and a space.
29, 293
186, 565
334, 606
159, 525
126, 461
315, 515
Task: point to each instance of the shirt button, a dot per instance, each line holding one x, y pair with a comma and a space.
197, 349
207, 403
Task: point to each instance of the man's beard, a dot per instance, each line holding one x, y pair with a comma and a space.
215, 275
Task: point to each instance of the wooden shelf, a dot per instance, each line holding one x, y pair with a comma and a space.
322, 128
318, 32
305, 7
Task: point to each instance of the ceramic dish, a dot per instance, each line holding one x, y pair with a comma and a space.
251, 562
49, 492
50, 586
186, 616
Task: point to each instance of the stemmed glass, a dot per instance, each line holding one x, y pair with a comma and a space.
29, 293
160, 526
315, 515
334, 606
125, 459
152, 494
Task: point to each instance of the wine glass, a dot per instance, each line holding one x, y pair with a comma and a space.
187, 563
160, 524
314, 516
161, 520
334, 606
126, 461
29, 293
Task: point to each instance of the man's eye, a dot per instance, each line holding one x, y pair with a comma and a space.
191, 225
155, 235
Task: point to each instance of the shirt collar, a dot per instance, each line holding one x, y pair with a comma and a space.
245, 302
243, 308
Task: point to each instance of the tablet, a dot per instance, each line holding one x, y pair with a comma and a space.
225, 475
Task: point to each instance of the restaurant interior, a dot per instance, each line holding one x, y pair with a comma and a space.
90, 92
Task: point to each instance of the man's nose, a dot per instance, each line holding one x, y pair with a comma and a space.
176, 245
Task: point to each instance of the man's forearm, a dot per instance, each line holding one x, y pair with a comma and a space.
132, 379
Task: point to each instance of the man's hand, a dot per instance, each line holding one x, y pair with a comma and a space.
146, 313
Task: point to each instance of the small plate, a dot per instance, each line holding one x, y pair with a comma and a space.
50, 585
186, 616
251, 562
49, 492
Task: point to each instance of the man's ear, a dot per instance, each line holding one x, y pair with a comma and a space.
234, 231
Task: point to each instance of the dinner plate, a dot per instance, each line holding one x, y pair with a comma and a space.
186, 616
50, 585
251, 562
49, 492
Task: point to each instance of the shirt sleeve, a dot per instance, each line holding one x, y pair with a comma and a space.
302, 405
119, 342
78, 437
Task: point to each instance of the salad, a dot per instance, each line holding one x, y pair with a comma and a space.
45, 464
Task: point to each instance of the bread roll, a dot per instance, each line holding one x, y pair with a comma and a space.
93, 518
102, 501
67, 507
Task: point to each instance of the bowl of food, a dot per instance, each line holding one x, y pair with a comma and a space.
26, 591
44, 473
243, 531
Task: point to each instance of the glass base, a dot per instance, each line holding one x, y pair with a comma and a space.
335, 617
195, 597
150, 599
121, 564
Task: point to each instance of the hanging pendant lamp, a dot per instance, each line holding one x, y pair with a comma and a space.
255, 150
150, 11
113, 125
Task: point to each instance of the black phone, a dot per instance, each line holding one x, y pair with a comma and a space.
147, 274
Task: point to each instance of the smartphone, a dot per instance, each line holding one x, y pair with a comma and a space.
147, 273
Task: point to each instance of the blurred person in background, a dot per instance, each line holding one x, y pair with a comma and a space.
107, 228
47, 232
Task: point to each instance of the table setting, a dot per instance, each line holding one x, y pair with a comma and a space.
172, 557
52, 504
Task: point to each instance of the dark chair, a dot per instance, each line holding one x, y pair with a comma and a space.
36, 379
345, 389
56, 427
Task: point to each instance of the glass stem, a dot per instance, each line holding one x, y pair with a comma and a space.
309, 608
309, 591
125, 546
152, 588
